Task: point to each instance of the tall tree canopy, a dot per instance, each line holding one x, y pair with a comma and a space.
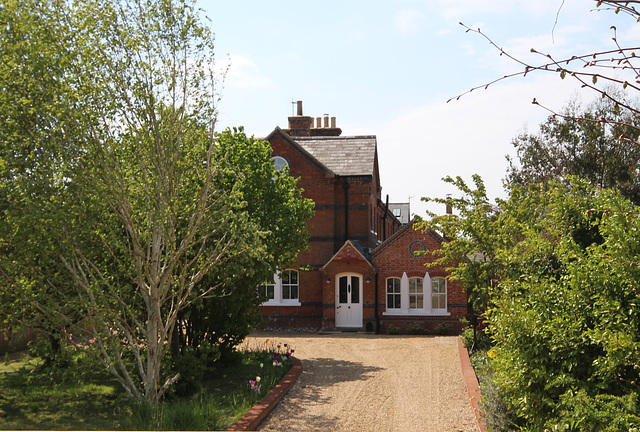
121, 207
583, 142
555, 267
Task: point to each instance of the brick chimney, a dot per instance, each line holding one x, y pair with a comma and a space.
300, 125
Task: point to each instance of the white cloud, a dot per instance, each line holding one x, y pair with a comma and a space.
408, 21
469, 136
244, 73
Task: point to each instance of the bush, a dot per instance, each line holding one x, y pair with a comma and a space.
496, 413
193, 365
392, 330
62, 362
600, 413
415, 329
565, 318
482, 343
442, 329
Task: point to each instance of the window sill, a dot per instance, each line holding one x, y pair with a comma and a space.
411, 313
273, 303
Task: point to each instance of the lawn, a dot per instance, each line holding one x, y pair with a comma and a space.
81, 396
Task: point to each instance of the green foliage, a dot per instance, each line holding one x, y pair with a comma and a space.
415, 328
37, 397
442, 329
559, 284
476, 340
564, 317
392, 330
470, 252
584, 142
607, 413
193, 364
123, 214
496, 412
55, 357
275, 207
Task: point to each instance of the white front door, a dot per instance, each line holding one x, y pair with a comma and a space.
349, 300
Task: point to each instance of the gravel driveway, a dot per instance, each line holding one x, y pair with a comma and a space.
373, 382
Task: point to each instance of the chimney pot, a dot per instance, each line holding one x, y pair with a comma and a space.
326, 120
333, 122
449, 209
318, 122
300, 126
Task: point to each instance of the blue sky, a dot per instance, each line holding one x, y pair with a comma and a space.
387, 68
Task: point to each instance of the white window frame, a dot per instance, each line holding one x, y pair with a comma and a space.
443, 294
280, 163
270, 282
278, 298
393, 293
418, 285
427, 293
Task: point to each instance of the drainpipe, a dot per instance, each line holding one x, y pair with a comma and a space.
376, 305
384, 219
346, 209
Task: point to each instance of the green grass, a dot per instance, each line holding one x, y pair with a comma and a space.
34, 398
84, 397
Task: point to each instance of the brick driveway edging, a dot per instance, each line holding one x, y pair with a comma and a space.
471, 381
256, 415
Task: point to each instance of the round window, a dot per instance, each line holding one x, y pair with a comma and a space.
280, 163
417, 248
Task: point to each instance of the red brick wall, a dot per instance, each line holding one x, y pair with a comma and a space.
396, 259
367, 224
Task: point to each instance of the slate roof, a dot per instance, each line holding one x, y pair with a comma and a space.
402, 231
344, 156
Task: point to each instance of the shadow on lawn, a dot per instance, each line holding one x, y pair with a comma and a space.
31, 398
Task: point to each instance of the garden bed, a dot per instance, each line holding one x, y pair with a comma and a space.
82, 396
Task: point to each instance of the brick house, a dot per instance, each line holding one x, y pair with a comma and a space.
364, 268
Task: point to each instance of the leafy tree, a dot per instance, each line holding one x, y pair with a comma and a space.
555, 269
564, 314
584, 143
274, 205
121, 207
37, 154
564, 317
471, 246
